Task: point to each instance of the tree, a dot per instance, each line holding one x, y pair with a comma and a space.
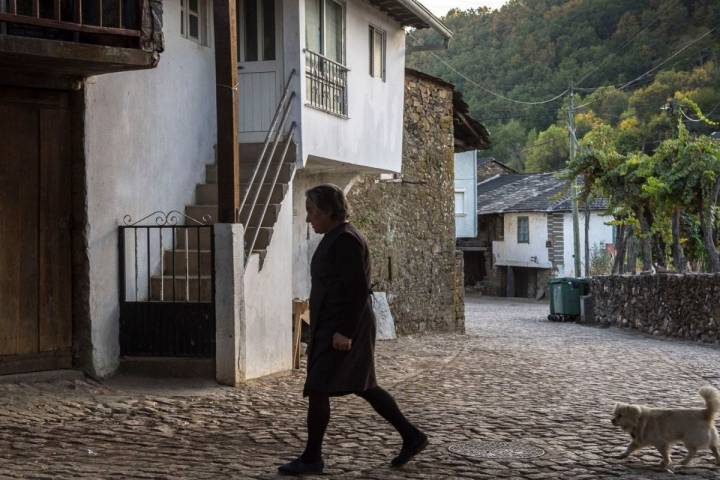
549, 151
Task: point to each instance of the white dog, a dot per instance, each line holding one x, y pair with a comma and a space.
663, 427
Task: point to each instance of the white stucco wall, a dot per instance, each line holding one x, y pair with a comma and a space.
372, 136
148, 134
600, 235
268, 302
466, 221
509, 252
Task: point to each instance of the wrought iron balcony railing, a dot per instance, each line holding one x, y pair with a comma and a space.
116, 18
326, 84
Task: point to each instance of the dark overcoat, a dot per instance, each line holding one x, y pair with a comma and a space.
340, 302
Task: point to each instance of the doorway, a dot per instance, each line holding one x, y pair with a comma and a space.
260, 66
35, 232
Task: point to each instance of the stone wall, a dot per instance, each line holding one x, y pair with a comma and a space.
409, 221
682, 306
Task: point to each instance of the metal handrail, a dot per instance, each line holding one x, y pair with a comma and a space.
272, 187
307, 50
286, 112
273, 124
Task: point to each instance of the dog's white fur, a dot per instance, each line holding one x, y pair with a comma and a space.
663, 427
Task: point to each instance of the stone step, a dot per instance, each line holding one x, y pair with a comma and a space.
188, 261
208, 213
195, 237
278, 193
186, 289
263, 239
286, 172
207, 193
268, 221
211, 173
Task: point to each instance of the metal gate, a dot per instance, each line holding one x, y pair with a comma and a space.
167, 286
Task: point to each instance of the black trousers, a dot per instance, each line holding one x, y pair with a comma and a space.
319, 417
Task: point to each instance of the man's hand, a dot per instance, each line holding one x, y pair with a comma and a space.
341, 342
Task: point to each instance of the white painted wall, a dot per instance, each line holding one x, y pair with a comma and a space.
372, 136
600, 235
148, 134
466, 195
509, 252
268, 302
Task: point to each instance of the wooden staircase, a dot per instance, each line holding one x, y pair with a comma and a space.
193, 256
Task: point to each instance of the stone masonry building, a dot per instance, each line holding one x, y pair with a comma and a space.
408, 219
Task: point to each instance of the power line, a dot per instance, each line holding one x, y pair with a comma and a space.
498, 95
688, 45
628, 42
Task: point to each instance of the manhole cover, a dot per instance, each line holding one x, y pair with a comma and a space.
496, 450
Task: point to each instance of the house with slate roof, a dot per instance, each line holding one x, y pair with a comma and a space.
525, 234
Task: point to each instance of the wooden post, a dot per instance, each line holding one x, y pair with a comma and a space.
226, 73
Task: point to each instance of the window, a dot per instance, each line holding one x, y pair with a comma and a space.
523, 232
377, 53
324, 56
193, 20
325, 28
459, 203
256, 27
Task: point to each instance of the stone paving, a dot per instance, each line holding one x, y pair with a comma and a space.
513, 377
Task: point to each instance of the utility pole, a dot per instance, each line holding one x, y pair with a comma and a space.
573, 187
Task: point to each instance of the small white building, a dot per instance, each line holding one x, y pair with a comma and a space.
131, 102
525, 234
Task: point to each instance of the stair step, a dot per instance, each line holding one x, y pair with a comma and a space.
206, 194
188, 260
207, 213
286, 171
278, 193
211, 173
194, 237
246, 170
249, 152
269, 220
263, 239
186, 289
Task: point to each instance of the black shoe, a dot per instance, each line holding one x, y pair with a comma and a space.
409, 451
298, 467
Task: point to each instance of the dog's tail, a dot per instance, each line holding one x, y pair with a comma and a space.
712, 399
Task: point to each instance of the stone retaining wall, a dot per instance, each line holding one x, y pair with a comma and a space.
681, 306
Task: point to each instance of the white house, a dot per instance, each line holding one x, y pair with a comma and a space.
526, 232
319, 91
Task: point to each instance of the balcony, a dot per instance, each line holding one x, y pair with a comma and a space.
326, 84
77, 37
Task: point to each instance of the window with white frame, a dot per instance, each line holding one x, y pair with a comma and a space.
377, 53
325, 28
523, 230
193, 20
459, 203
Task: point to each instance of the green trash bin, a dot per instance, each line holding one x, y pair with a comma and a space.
565, 293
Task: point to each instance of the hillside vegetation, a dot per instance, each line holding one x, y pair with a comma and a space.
533, 50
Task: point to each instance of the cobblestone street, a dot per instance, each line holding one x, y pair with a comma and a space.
513, 377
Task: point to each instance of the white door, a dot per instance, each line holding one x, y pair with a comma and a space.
260, 67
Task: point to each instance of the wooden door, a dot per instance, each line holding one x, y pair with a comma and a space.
35, 239
260, 74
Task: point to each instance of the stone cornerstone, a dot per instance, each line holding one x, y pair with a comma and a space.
409, 220
681, 306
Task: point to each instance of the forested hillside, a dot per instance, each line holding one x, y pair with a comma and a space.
624, 59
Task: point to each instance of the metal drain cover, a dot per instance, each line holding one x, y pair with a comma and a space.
495, 450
